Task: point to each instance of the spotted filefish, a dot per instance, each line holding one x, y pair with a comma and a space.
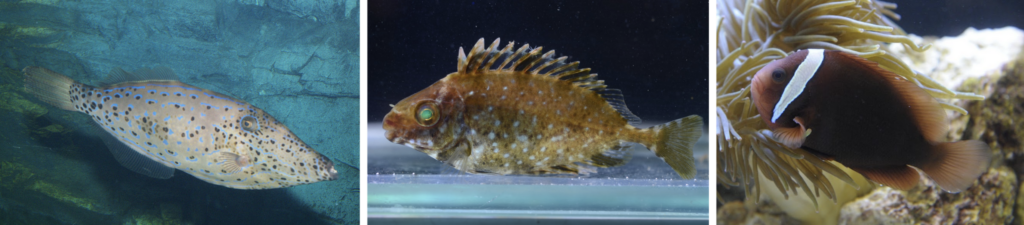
848, 109
156, 124
521, 111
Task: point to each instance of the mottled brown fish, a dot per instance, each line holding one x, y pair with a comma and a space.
156, 124
848, 109
521, 111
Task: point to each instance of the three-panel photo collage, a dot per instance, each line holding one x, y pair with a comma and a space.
511, 112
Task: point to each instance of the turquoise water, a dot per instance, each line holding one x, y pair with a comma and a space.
298, 63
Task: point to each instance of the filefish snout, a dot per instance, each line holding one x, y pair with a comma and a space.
332, 174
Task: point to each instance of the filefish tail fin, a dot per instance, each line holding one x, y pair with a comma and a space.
675, 141
958, 164
48, 86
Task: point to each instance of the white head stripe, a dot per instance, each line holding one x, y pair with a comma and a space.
796, 85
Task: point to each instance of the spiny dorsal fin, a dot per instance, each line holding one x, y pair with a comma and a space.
539, 63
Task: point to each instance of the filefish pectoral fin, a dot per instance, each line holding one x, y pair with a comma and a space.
133, 159
232, 162
792, 137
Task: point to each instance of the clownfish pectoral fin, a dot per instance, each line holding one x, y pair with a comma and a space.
957, 164
792, 137
899, 177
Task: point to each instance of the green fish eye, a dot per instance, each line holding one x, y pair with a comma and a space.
426, 114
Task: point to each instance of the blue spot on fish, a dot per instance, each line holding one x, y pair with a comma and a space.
165, 142
167, 118
211, 106
179, 143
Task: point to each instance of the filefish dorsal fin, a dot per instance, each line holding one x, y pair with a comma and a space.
525, 60
134, 160
118, 75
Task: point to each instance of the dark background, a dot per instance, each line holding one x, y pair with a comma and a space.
952, 17
654, 51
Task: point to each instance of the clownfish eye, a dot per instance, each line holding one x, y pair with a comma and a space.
427, 114
779, 75
249, 124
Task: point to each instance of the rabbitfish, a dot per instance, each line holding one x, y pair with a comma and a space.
845, 108
521, 111
156, 124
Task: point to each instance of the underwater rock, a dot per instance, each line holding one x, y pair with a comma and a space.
765, 212
316, 10
974, 53
989, 202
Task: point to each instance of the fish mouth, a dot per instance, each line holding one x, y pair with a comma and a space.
332, 174
390, 125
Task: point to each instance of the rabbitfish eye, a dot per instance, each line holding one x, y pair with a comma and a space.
249, 124
778, 75
426, 114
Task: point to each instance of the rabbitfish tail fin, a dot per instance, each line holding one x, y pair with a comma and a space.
50, 87
958, 164
675, 141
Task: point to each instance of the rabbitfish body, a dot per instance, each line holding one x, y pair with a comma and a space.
509, 111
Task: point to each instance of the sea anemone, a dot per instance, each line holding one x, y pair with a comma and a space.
752, 33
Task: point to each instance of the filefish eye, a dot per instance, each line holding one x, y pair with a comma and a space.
779, 75
427, 114
249, 124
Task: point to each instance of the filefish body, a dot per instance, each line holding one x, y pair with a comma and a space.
523, 112
848, 109
156, 126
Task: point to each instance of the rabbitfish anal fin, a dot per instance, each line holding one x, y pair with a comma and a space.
134, 160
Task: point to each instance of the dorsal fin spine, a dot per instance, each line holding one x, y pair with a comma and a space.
527, 60
553, 62
568, 66
473, 62
546, 64
576, 72
509, 57
493, 53
515, 56
462, 60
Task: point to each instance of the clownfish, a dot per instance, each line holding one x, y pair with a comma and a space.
844, 108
